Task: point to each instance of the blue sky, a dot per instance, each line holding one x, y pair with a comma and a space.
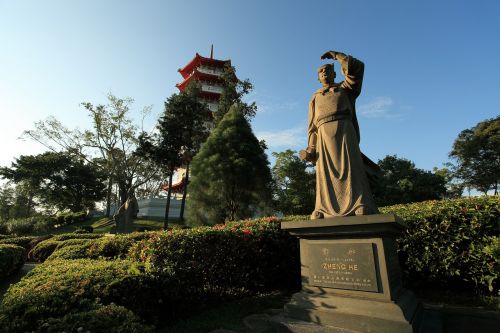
431, 66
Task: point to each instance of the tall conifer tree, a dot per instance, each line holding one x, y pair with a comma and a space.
231, 178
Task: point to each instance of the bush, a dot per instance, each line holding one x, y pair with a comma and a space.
85, 229
444, 244
63, 237
108, 318
71, 289
77, 248
70, 217
111, 247
71, 249
28, 242
43, 250
238, 257
20, 227
11, 259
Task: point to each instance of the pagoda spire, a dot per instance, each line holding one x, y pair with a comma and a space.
212, 51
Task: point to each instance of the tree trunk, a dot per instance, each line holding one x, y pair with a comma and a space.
108, 196
183, 203
30, 204
169, 193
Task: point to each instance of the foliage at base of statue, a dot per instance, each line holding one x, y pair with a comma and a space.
70, 290
451, 242
104, 318
65, 287
11, 259
252, 255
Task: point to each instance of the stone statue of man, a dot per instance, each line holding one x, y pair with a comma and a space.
342, 171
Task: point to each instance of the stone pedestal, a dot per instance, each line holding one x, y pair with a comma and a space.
351, 276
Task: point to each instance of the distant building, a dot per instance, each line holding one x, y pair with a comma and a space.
208, 72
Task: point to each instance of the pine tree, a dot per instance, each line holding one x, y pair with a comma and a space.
231, 178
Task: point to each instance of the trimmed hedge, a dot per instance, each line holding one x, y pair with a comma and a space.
63, 237
42, 250
28, 242
108, 318
12, 258
225, 259
59, 288
69, 290
80, 248
181, 271
446, 242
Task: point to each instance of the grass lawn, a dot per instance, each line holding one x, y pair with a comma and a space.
103, 225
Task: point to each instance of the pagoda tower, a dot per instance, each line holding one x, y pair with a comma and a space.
208, 72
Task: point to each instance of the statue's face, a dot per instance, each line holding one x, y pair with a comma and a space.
326, 75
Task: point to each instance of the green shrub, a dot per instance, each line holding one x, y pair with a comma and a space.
11, 259
28, 242
64, 288
108, 318
63, 237
103, 247
20, 227
43, 250
71, 250
85, 229
445, 240
78, 249
225, 259
111, 247
3, 229
80, 216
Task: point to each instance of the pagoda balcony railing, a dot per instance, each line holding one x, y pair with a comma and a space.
209, 70
212, 88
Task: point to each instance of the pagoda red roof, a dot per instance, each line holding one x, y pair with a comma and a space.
199, 76
176, 187
199, 60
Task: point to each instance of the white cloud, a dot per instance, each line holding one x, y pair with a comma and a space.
288, 138
379, 107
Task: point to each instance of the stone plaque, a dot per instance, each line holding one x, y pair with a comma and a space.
342, 265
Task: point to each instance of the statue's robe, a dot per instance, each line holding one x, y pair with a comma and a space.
342, 186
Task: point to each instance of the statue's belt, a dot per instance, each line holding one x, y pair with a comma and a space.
332, 117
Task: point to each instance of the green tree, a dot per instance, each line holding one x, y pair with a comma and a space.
476, 152
111, 145
294, 184
453, 189
230, 175
233, 92
402, 182
58, 180
182, 128
7, 200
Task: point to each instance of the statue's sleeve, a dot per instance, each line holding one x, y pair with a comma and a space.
353, 71
312, 131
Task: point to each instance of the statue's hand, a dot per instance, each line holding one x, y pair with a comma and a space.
329, 55
308, 156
